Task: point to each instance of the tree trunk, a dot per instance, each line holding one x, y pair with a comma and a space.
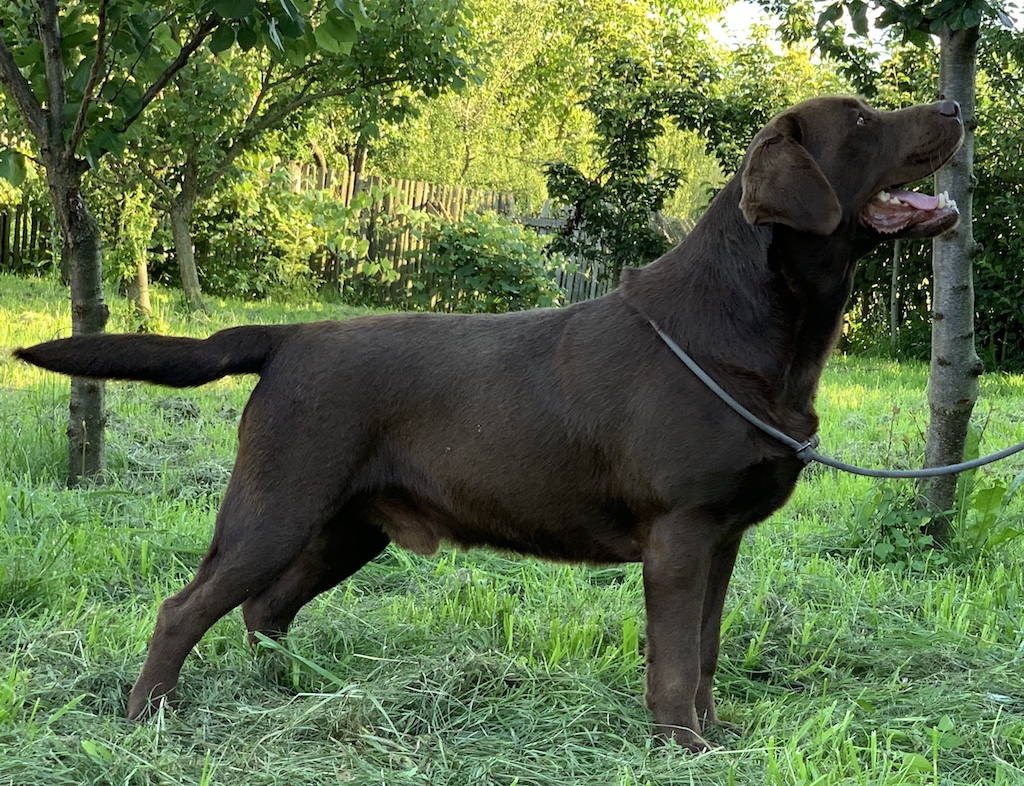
955, 365
138, 290
358, 166
181, 231
82, 255
894, 299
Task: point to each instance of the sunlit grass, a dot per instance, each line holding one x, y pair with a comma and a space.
477, 668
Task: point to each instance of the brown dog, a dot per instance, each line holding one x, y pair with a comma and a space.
572, 434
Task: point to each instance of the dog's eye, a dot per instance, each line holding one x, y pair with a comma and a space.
861, 120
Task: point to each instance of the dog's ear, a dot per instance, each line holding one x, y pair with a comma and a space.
782, 183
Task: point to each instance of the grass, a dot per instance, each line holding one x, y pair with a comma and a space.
837, 667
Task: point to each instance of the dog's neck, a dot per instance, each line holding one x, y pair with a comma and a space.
727, 297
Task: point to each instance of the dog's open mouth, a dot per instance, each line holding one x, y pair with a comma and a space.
896, 210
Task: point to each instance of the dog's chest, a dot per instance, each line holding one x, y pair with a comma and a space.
749, 496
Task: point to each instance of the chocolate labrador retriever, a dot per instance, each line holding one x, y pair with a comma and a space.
570, 434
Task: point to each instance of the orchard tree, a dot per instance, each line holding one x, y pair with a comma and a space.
609, 213
537, 60
81, 75
221, 105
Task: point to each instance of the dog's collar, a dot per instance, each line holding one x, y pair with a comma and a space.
806, 451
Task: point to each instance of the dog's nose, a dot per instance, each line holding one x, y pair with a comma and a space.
949, 108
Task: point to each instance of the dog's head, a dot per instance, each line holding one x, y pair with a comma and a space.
835, 159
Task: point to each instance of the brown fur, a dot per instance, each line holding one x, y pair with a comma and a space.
571, 434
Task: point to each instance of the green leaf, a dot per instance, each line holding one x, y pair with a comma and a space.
12, 167
336, 34
914, 762
235, 9
223, 38
918, 38
98, 753
105, 141
72, 42
831, 14
859, 18
275, 35
292, 10
325, 40
76, 84
971, 17
342, 28
246, 37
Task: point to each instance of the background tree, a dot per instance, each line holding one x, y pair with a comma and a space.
536, 64
222, 105
609, 222
80, 77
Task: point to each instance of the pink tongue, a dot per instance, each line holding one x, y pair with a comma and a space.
914, 199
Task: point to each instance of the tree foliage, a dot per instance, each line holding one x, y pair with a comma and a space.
537, 60
609, 214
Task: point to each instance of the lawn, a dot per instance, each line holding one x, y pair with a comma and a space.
851, 655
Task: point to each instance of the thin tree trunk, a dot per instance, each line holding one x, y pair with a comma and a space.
138, 290
321, 164
181, 231
894, 298
358, 166
955, 365
82, 253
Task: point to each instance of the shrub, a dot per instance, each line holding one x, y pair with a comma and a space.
484, 264
248, 237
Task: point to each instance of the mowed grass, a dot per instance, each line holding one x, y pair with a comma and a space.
837, 668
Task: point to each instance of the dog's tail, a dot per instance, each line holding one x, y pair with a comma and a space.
164, 360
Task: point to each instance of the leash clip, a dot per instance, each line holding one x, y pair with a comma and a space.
805, 452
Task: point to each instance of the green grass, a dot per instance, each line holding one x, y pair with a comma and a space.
837, 668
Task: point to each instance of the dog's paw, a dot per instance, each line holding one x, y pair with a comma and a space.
143, 704
685, 738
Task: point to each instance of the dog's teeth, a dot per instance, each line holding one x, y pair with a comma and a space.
888, 199
943, 200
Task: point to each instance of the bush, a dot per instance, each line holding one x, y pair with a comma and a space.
249, 239
484, 264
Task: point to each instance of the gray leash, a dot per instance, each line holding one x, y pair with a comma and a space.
805, 451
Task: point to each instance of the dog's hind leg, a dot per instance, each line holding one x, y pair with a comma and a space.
257, 537
341, 548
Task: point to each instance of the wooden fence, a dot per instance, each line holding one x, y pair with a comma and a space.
450, 202
394, 242
25, 234
581, 279
24, 239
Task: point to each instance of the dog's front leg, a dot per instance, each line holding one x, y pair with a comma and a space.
719, 573
676, 563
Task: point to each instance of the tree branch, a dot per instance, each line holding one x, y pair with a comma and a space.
53, 59
49, 35
275, 116
200, 35
265, 87
158, 182
20, 90
90, 85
